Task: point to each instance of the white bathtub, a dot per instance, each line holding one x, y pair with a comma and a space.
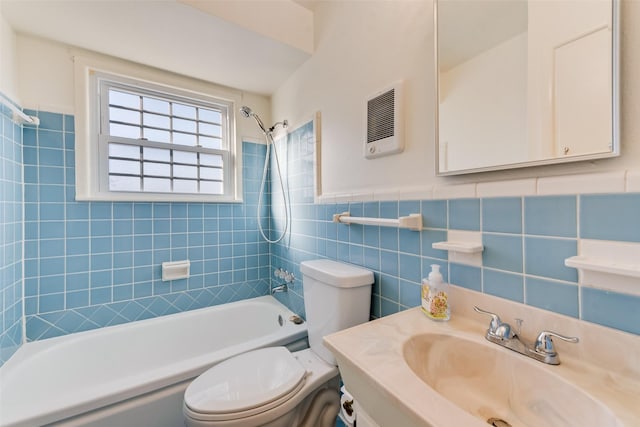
134, 374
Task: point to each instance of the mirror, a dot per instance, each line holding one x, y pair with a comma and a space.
524, 83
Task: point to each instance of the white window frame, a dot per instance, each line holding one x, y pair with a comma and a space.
91, 147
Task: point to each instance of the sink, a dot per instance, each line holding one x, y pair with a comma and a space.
406, 370
490, 382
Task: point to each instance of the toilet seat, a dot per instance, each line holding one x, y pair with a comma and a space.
245, 385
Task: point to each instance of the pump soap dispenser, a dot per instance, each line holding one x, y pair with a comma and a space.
435, 296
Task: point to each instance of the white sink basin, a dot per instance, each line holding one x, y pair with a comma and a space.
489, 382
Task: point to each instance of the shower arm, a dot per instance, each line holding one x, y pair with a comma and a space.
284, 124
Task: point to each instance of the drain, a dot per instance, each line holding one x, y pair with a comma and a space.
497, 422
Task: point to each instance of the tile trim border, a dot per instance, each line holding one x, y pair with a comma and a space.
626, 181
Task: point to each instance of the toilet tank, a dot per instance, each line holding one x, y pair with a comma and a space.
336, 296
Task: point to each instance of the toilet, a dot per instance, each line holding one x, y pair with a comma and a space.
273, 387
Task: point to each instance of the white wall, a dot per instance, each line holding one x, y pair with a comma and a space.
483, 108
8, 84
46, 81
46, 75
362, 46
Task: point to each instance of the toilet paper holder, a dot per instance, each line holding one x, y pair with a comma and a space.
348, 406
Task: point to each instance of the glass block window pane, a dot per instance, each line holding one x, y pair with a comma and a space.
155, 105
124, 151
124, 131
185, 139
185, 157
124, 167
184, 125
158, 154
157, 135
124, 116
209, 115
161, 143
187, 111
156, 120
211, 173
184, 186
162, 119
157, 185
157, 169
211, 160
124, 183
124, 99
164, 170
215, 143
209, 129
209, 187
185, 171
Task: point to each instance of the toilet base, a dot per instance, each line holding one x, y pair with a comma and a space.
293, 417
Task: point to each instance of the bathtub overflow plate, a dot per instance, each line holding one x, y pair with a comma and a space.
296, 319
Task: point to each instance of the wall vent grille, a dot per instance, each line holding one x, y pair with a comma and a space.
383, 122
381, 116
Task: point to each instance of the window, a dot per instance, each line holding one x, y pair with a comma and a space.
154, 142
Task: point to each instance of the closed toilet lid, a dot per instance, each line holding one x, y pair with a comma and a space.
245, 382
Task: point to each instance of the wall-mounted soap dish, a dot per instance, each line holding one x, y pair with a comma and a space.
463, 247
603, 265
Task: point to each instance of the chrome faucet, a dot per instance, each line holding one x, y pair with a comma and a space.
541, 350
288, 278
281, 288
497, 329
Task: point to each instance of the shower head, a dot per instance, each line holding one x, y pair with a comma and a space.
246, 111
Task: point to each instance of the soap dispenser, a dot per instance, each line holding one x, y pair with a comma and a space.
436, 303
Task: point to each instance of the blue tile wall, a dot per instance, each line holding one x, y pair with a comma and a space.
94, 264
88, 265
551, 216
526, 241
503, 215
610, 217
11, 327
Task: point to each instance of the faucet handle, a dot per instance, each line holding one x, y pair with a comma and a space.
495, 319
544, 343
496, 327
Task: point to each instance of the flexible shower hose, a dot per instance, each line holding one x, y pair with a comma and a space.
271, 145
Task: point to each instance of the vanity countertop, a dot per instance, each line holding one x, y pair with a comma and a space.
605, 364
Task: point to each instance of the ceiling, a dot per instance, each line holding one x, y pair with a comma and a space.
252, 45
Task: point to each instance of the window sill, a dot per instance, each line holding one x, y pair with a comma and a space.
158, 198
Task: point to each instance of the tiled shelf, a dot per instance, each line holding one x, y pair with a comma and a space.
603, 266
463, 247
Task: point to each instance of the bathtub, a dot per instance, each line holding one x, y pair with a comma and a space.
135, 374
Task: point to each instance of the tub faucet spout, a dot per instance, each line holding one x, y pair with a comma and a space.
281, 288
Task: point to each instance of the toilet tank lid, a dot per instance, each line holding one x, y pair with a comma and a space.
336, 273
